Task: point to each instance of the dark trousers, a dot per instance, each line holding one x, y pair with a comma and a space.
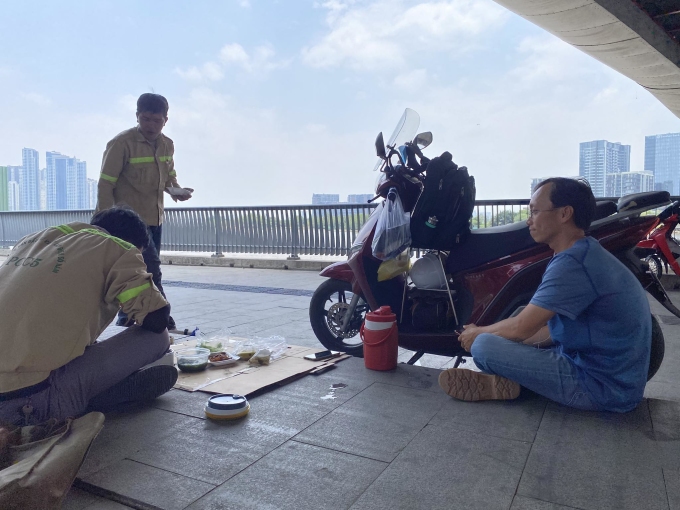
152, 260
102, 365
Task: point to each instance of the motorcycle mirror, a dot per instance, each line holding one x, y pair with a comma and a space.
380, 146
422, 140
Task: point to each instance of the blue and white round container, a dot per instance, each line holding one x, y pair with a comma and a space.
227, 406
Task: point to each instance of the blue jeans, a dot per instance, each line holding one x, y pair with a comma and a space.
543, 371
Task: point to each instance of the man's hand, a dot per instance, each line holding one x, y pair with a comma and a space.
468, 336
183, 198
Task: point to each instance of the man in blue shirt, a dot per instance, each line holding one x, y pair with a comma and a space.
589, 307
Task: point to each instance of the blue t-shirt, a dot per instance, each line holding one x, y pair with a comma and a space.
602, 324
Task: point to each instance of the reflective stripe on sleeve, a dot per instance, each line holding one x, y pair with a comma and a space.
132, 293
108, 178
147, 159
172, 173
165, 158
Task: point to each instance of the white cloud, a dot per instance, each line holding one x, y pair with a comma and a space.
209, 71
234, 53
384, 33
411, 80
548, 59
36, 98
244, 3
261, 60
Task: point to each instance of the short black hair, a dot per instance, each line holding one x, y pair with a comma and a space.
122, 222
154, 103
573, 192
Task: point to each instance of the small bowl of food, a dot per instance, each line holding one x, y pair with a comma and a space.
220, 359
192, 359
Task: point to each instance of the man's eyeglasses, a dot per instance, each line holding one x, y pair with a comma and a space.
534, 212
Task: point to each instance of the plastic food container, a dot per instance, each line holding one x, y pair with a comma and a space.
192, 359
227, 406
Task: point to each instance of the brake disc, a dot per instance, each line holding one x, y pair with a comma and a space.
335, 316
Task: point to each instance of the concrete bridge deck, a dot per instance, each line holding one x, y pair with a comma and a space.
386, 440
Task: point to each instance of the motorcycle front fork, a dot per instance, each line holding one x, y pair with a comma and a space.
350, 312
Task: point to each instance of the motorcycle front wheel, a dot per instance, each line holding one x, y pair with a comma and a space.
327, 309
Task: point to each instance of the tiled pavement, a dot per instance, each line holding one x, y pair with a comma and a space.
386, 440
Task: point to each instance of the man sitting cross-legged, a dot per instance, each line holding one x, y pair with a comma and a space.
589, 304
59, 289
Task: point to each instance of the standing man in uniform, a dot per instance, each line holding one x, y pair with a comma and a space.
137, 167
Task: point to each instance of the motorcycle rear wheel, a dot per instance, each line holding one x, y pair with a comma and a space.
655, 265
325, 315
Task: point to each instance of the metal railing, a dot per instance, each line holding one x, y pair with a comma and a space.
292, 230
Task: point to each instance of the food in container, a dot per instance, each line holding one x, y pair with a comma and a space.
192, 359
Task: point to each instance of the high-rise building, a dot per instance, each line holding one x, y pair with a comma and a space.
29, 180
627, 183
359, 199
599, 158
4, 202
662, 158
43, 189
66, 182
13, 173
82, 190
13, 196
92, 193
325, 199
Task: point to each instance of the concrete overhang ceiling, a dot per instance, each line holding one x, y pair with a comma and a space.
638, 38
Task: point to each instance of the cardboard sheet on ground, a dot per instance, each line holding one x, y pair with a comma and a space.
245, 379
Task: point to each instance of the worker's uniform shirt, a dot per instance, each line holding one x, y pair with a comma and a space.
136, 173
59, 289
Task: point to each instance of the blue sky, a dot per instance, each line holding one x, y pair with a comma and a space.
271, 101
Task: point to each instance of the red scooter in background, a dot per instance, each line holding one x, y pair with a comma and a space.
486, 278
660, 248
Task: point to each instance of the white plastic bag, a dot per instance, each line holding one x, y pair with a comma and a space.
393, 230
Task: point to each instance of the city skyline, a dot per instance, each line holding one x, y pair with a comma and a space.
61, 185
606, 166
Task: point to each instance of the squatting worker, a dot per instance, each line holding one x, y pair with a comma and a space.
59, 289
589, 307
137, 167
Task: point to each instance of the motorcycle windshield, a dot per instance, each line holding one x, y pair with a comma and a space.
406, 129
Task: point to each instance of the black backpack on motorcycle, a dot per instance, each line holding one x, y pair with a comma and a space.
441, 218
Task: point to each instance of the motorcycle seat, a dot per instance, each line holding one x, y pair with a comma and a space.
486, 244
641, 200
604, 208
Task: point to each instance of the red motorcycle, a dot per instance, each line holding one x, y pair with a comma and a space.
485, 279
660, 247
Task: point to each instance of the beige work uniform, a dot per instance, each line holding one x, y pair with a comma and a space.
59, 289
136, 174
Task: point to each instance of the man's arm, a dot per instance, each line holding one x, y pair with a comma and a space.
113, 163
520, 328
157, 321
131, 287
172, 183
